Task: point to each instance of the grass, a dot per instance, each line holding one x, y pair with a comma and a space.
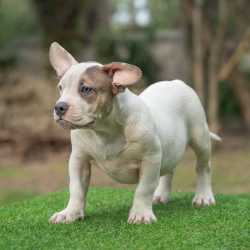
23, 224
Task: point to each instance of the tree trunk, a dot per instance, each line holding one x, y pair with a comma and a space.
213, 65
232, 62
132, 11
198, 67
59, 20
239, 84
97, 17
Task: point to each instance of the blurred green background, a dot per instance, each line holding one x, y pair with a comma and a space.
205, 43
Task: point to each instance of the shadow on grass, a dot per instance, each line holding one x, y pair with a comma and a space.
120, 212
177, 206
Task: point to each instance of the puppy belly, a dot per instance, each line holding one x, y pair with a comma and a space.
124, 174
127, 178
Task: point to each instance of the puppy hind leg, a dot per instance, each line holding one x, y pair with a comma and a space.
202, 147
162, 192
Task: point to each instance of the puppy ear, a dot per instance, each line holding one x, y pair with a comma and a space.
122, 74
60, 59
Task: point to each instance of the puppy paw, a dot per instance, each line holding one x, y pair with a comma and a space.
203, 200
141, 216
66, 216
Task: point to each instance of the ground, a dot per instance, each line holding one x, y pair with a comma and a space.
231, 174
24, 224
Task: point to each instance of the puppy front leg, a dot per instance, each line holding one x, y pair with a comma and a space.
141, 211
79, 174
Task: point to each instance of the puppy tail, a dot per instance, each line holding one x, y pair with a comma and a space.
214, 137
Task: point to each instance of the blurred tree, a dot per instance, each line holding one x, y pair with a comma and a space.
241, 87
236, 70
164, 14
12, 14
198, 53
215, 61
131, 47
237, 45
210, 24
71, 22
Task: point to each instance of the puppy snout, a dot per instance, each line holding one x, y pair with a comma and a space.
61, 108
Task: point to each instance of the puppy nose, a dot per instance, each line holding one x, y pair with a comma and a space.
61, 108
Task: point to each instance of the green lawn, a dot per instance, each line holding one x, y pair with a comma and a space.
23, 224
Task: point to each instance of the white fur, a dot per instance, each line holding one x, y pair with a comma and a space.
142, 139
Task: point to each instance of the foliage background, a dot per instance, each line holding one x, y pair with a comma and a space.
193, 40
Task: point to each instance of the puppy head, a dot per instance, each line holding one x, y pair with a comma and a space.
88, 89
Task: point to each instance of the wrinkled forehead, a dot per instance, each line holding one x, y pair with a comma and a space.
76, 71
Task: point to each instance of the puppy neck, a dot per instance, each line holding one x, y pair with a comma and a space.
117, 118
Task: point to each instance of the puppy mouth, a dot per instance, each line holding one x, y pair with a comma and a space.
69, 125
89, 124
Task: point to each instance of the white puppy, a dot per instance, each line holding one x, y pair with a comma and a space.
134, 139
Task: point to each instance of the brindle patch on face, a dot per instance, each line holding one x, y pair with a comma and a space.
100, 100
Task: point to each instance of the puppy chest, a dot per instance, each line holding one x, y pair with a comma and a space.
117, 158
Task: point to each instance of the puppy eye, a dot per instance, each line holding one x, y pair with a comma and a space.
86, 90
60, 87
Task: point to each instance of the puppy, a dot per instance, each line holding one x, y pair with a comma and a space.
134, 139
